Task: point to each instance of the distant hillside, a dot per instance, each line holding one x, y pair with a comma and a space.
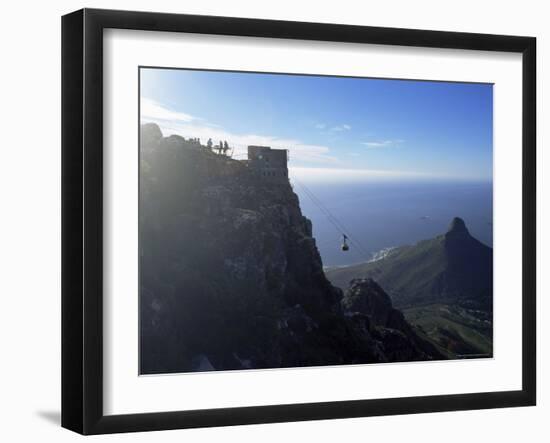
448, 268
443, 286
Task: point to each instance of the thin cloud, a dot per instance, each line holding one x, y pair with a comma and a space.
340, 128
151, 110
382, 144
340, 175
185, 125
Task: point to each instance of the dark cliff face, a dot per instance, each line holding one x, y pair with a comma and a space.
396, 340
230, 276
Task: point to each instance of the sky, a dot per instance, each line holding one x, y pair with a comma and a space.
335, 128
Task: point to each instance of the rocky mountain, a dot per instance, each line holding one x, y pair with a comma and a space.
448, 268
444, 286
369, 307
231, 278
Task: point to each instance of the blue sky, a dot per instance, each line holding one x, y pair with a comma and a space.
335, 128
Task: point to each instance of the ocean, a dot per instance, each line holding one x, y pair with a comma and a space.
377, 216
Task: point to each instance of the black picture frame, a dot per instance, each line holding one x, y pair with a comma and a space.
82, 218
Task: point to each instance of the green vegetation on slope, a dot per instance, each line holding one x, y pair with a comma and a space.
444, 286
456, 331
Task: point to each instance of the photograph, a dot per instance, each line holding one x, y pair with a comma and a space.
245, 222
299, 220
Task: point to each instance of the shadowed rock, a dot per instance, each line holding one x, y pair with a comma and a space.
457, 226
230, 275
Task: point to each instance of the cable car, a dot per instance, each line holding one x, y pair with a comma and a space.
345, 246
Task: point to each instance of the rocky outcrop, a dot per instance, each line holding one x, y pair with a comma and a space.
230, 276
365, 296
396, 340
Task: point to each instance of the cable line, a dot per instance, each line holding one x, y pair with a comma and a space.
337, 224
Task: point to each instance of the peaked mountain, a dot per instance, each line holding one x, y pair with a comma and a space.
443, 286
450, 268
